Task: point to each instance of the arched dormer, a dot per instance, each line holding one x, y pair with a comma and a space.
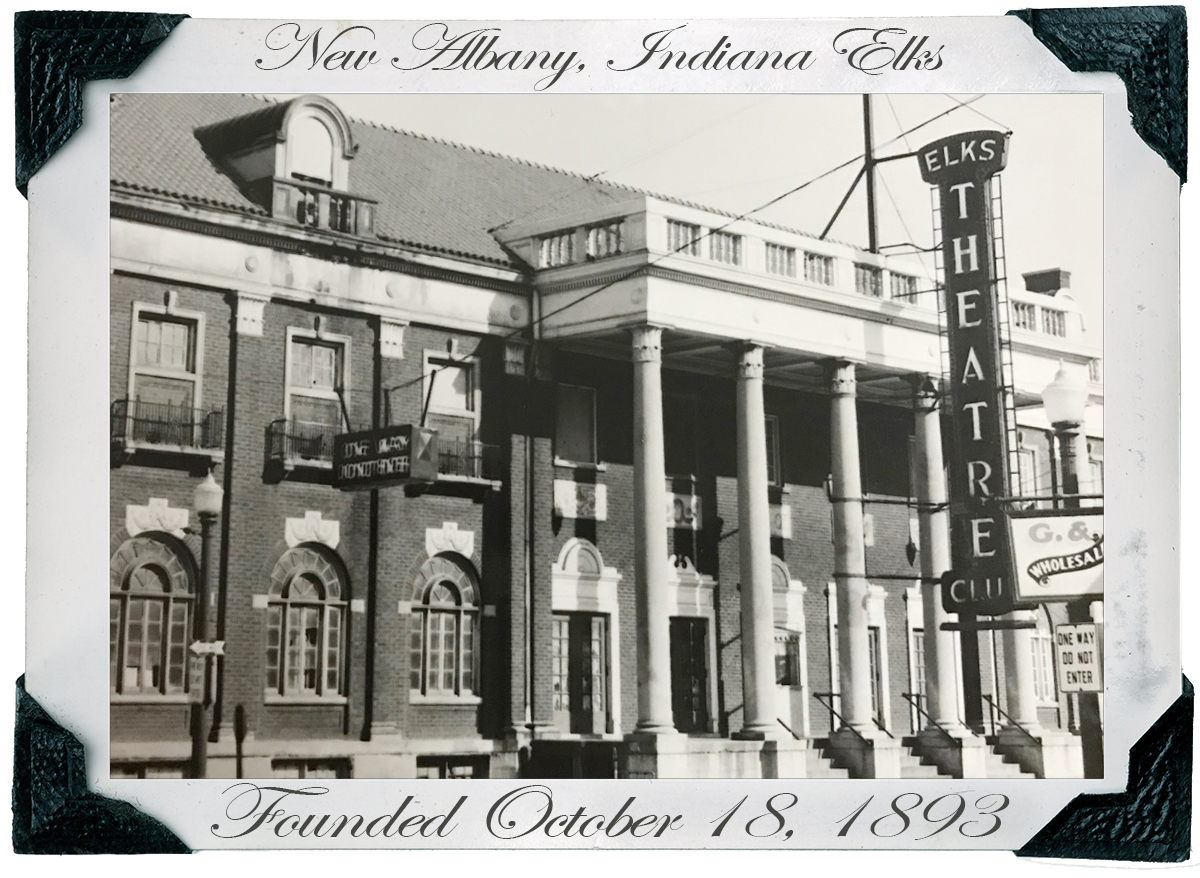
294, 158
314, 143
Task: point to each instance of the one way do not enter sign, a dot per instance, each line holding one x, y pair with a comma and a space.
1079, 665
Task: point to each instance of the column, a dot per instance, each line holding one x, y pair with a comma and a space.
849, 553
759, 718
650, 536
1020, 705
933, 516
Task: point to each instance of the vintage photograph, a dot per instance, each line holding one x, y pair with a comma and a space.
606, 436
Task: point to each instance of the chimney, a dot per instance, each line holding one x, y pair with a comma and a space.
1048, 281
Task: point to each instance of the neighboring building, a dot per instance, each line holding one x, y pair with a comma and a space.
606, 369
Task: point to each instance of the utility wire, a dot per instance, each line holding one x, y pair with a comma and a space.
642, 268
637, 159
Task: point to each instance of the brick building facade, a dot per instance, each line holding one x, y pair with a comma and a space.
282, 274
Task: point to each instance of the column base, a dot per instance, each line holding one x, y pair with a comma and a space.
675, 755
868, 753
955, 750
1042, 752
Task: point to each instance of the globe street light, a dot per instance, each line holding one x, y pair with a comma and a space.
207, 500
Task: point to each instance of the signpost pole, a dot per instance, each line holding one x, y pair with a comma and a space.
971, 677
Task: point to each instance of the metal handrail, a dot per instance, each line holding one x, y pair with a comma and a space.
846, 722
790, 730
992, 703
915, 700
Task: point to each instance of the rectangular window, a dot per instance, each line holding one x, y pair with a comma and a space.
451, 391
310, 768
818, 269
1095, 451
904, 287
575, 424
557, 250
605, 240
1095, 371
1042, 643
875, 662
683, 238
868, 281
316, 376
774, 468
1024, 316
1054, 322
781, 260
1027, 472
918, 672
164, 381
724, 247
787, 658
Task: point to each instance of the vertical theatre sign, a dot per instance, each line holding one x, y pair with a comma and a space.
961, 166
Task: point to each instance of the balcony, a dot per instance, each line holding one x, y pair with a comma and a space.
319, 207
469, 460
150, 429
299, 445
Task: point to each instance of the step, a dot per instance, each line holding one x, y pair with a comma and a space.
818, 765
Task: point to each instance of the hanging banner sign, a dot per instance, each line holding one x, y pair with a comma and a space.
383, 457
961, 166
1058, 556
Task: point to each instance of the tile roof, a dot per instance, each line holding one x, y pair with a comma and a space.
432, 194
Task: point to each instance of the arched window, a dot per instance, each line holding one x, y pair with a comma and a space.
310, 150
306, 614
443, 630
149, 608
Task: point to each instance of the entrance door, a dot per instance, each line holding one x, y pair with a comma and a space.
689, 674
580, 673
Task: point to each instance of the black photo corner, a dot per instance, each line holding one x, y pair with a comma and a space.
56, 52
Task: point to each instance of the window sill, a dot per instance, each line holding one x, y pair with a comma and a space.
175, 698
273, 698
462, 700
571, 464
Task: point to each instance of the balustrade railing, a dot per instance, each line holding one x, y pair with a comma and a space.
136, 422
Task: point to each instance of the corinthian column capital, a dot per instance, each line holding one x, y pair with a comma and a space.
841, 378
750, 360
925, 393
647, 344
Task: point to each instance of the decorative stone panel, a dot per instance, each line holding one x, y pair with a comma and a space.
580, 500
448, 538
684, 512
250, 313
391, 339
156, 515
312, 528
781, 521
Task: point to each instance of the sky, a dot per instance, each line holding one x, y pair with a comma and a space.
737, 152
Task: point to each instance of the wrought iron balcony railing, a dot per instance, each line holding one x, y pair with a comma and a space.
320, 207
135, 423
470, 460
302, 443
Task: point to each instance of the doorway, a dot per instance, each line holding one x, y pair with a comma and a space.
580, 673
689, 674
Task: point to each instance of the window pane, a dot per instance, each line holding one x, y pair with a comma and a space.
114, 634
451, 386
416, 637
274, 635
293, 649
333, 646
559, 647
156, 391
310, 147
312, 644
177, 646
575, 427
313, 410
468, 654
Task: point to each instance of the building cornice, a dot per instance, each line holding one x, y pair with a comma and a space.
332, 247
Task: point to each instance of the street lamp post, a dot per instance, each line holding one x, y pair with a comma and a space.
207, 499
1065, 403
